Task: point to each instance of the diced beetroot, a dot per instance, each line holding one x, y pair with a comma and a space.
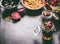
51, 2
16, 15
